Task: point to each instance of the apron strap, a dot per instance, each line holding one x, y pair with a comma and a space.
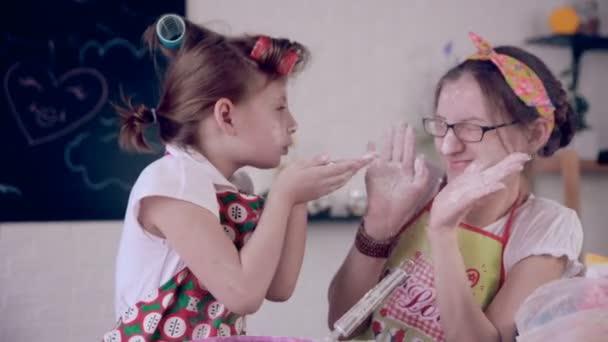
506, 235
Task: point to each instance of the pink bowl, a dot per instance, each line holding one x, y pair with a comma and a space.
255, 339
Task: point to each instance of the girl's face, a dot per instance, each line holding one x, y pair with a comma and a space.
267, 126
462, 101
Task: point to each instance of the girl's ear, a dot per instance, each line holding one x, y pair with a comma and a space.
223, 113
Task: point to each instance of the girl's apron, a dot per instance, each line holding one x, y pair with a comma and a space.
182, 309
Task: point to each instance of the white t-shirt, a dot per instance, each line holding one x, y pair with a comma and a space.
542, 227
145, 261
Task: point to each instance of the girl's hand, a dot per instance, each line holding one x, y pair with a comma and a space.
307, 180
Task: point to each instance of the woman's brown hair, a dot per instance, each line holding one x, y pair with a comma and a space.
206, 67
499, 94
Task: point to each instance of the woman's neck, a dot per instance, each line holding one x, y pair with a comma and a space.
498, 204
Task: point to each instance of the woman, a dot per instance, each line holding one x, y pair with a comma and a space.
483, 243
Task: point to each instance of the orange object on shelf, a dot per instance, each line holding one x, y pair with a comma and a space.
564, 20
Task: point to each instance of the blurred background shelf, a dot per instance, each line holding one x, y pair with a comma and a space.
557, 163
578, 43
581, 42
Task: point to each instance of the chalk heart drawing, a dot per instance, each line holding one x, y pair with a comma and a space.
115, 45
47, 107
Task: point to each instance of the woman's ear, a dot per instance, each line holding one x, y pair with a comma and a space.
539, 133
223, 113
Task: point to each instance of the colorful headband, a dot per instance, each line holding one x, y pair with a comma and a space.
522, 79
260, 49
170, 30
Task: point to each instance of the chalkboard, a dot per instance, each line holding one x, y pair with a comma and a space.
62, 64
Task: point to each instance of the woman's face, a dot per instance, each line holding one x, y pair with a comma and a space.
462, 101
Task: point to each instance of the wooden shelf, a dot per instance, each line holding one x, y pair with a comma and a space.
568, 164
552, 164
592, 165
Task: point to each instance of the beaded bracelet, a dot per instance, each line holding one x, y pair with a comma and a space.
370, 247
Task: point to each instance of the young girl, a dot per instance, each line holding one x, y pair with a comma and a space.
189, 265
484, 243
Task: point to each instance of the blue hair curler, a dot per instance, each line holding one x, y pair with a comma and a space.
170, 30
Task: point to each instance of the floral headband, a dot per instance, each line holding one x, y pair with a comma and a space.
522, 79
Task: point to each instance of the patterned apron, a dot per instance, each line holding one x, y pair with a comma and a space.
410, 313
182, 309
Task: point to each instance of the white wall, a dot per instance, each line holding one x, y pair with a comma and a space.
56, 280
374, 62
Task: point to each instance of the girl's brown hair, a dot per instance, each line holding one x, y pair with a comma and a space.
500, 95
206, 67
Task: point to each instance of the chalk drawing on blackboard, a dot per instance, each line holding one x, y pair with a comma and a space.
107, 122
102, 49
6, 189
83, 170
47, 107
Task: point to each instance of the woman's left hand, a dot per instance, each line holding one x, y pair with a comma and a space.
454, 201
